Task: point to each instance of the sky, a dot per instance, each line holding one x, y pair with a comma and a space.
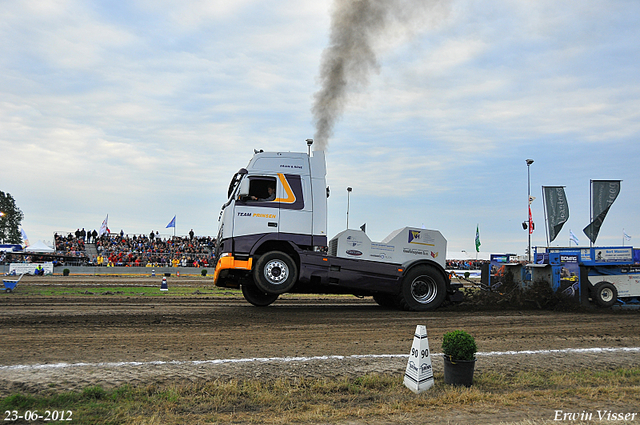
144, 110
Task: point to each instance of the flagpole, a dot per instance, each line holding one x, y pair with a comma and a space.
623, 236
590, 207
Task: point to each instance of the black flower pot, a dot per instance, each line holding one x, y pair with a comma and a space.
458, 372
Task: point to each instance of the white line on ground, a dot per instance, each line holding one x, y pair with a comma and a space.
305, 359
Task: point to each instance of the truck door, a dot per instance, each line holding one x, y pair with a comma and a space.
262, 210
256, 212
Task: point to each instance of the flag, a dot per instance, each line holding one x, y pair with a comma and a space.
172, 223
478, 239
530, 221
557, 209
573, 238
103, 227
604, 194
627, 237
26, 239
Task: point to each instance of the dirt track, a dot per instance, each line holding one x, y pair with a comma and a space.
73, 342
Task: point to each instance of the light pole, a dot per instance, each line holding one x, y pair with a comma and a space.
2, 214
529, 162
348, 195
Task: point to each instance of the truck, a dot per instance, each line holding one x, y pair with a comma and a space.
272, 239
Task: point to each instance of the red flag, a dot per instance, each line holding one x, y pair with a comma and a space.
530, 221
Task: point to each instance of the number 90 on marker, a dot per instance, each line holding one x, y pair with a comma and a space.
421, 353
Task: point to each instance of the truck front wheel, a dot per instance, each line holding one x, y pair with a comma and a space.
605, 294
256, 296
385, 300
275, 273
423, 289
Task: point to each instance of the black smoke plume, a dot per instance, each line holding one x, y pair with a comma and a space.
356, 28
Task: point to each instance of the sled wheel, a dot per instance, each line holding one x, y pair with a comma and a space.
605, 294
423, 289
257, 297
275, 273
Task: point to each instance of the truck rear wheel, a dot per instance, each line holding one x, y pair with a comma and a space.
605, 294
275, 273
257, 297
423, 289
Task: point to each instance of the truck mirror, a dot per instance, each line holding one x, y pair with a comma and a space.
244, 189
328, 191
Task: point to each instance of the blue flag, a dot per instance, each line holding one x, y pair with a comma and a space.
172, 223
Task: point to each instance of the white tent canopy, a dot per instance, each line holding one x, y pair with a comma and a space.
39, 247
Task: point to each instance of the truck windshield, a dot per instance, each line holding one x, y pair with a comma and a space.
235, 181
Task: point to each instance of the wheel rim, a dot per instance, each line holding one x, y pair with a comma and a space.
276, 272
606, 294
424, 289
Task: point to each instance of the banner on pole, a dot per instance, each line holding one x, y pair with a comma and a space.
557, 209
604, 193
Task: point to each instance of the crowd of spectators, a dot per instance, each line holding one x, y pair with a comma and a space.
136, 251
465, 264
151, 250
69, 245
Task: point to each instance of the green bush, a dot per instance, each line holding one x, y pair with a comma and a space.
203, 272
459, 345
65, 272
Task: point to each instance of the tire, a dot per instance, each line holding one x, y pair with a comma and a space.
385, 300
257, 297
275, 273
423, 289
605, 294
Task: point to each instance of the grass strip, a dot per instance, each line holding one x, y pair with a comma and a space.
366, 399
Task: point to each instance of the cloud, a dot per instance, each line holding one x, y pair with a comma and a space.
145, 109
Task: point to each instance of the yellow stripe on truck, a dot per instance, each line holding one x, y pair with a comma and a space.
230, 262
291, 198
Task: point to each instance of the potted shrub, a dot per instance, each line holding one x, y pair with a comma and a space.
65, 272
459, 350
203, 272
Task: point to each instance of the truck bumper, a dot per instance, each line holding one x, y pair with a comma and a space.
230, 263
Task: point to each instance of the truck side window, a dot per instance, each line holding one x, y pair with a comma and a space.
262, 188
